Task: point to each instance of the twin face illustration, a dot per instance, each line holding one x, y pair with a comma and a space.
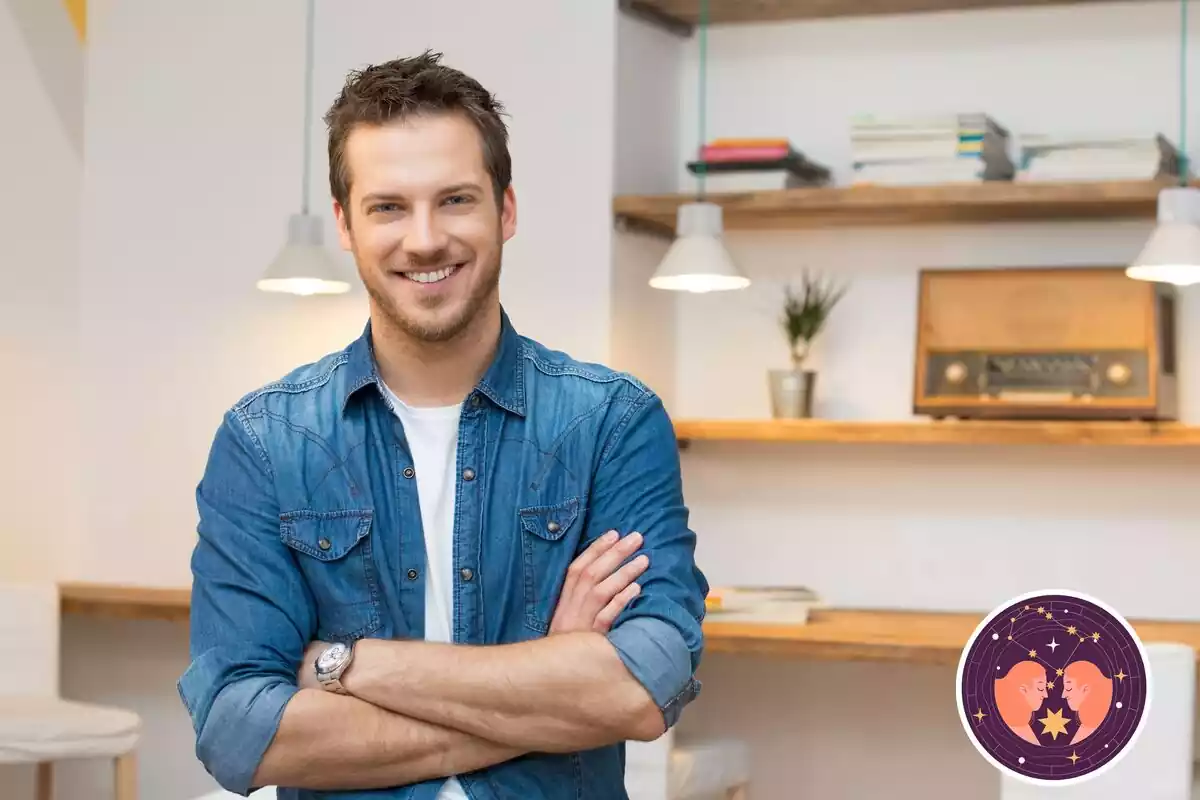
1023, 690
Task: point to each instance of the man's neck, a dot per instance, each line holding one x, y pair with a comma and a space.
436, 373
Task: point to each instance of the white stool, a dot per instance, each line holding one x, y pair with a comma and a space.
36, 725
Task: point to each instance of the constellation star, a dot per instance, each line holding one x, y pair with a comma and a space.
1121, 675
1073, 757
1053, 644
979, 715
1055, 723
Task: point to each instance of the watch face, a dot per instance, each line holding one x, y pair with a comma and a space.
332, 656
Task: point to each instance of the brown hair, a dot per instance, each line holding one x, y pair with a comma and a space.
391, 91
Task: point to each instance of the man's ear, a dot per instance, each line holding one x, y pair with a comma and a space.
343, 225
508, 213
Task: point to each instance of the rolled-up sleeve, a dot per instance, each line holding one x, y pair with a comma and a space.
639, 487
251, 615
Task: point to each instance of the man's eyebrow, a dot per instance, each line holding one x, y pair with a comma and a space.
462, 187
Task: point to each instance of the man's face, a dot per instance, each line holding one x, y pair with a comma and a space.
423, 223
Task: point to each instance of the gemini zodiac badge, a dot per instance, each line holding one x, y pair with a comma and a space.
1053, 687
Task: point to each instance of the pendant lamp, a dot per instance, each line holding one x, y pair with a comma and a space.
303, 266
697, 260
1172, 255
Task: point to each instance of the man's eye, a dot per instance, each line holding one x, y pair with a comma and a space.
383, 208
457, 199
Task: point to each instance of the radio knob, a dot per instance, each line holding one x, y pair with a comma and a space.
956, 372
1119, 373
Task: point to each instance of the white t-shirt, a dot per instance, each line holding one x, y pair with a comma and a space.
432, 434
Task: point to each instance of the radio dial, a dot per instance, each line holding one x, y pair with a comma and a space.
956, 372
1119, 373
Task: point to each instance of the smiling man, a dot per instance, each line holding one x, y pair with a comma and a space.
446, 561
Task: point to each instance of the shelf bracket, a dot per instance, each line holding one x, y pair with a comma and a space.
648, 12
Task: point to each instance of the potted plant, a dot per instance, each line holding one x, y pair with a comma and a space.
804, 316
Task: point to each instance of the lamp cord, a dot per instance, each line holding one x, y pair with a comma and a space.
308, 92
702, 100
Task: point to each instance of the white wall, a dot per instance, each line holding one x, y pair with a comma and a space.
890, 526
38, 239
649, 74
194, 140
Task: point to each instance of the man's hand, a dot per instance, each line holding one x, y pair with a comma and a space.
597, 586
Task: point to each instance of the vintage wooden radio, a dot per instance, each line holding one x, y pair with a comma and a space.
1052, 343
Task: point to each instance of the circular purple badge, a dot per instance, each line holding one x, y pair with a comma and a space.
1053, 687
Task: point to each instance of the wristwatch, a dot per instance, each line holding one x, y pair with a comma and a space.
331, 664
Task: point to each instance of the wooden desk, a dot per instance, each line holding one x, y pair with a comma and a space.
921, 637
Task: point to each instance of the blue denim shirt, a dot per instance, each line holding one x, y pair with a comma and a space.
310, 530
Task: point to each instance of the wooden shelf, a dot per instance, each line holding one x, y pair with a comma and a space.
922, 637
721, 12
1128, 434
994, 201
831, 634
125, 602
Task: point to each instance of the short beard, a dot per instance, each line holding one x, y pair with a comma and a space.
451, 328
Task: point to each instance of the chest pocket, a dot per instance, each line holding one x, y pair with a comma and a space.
548, 537
334, 553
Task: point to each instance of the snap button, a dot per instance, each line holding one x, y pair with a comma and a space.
552, 526
475, 401
412, 574
409, 472
468, 474
324, 544
467, 574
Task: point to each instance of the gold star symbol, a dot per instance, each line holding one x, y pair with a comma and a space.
1121, 675
1058, 672
979, 715
1054, 723
1033, 653
1073, 757
1095, 637
1041, 610
1050, 685
1071, 630
1049, 615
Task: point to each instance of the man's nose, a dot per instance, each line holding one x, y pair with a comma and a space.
425, 236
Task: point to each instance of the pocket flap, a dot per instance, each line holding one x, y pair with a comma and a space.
324, 535
550, 522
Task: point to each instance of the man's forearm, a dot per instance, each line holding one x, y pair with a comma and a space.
328, 741
557, 694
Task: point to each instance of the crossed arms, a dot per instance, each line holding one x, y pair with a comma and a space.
617, 664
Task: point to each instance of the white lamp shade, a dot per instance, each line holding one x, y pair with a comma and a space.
697, 260
303, 266
1172, 255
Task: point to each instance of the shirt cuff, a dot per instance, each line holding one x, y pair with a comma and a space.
658, 657
240, 726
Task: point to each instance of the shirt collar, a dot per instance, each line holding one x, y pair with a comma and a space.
503, 383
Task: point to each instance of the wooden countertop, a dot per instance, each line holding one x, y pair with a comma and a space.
832, 634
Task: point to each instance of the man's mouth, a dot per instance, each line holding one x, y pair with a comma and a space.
435, 275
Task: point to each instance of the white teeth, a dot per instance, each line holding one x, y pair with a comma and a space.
433, 277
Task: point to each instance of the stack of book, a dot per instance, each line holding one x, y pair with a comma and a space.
752, 165
953, 148
1064, 158
786, 605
